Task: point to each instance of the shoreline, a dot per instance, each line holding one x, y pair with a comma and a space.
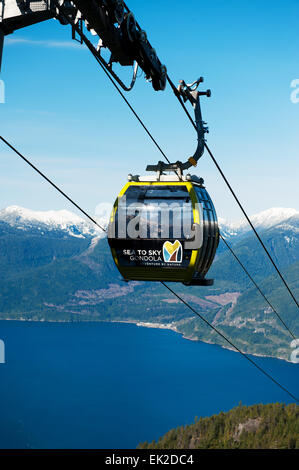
171, 327
155, 325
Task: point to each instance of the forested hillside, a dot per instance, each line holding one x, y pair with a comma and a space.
272, 426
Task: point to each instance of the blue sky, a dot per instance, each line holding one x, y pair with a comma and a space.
62, 112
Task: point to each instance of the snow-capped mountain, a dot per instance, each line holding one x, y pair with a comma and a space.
62, 220
277, 216
290, 224
76, 226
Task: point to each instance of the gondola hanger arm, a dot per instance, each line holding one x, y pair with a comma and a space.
188, 93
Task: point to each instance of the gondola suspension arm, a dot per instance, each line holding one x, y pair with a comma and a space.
190, 93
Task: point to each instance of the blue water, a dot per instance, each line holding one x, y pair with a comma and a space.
110, 385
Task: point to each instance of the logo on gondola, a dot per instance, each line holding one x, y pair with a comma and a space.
172, 252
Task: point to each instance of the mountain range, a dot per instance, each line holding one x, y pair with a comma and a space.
75, 225
57, 266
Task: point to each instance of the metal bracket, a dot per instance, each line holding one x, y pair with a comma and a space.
161, 167
77, 28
